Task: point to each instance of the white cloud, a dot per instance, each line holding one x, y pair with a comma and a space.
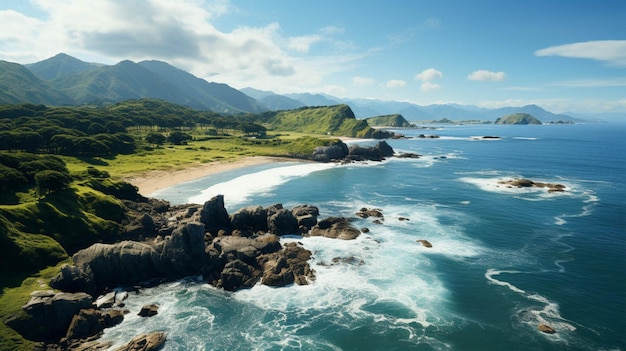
358, 80
395, 83
179, 32
429, 86
484, 75
610, 51
303, 43
428, 75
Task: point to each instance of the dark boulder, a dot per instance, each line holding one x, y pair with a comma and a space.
337, 151
49, 314
377, 152
287, 266
281, 221
129, 262
145, 342
89, 322
250, 220
335, 227
214, 215
236, 275
148, 310
72, 279
370, 212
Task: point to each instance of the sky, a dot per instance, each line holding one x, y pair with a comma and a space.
563, 55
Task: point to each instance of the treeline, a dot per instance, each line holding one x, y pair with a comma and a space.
25, 170
106, 130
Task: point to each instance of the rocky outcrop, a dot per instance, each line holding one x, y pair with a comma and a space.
149, 310
145, 342
376, 153
281, 221
73, 279
334, 152
335, 227
370, 212
341, 152
214, 215
49, 314
527, 183
287, 266
129, 262
546, 329
425, 243
90, 322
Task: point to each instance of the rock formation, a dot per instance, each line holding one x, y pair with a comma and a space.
341, 152
527, 183
145, 342
229, 251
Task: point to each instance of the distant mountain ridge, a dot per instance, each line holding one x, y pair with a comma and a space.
65, 80
366, 108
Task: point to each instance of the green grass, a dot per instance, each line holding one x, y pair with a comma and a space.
336, 120
195, 153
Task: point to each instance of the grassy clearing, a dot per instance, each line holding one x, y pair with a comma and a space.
196, 152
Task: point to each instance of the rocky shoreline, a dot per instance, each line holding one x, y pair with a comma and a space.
229, 251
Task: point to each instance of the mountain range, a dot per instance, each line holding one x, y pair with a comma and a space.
65, 80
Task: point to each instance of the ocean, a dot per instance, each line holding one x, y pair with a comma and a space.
503, 260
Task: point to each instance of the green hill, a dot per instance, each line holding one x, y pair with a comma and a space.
60, 65
208, 95
518, 118
18, 84
328, 120
123, 81
395, 121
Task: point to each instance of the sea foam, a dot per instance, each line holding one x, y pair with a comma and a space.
238, 190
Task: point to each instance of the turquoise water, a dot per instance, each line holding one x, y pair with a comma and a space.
503, 260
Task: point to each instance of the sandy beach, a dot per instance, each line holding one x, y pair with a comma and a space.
152, 181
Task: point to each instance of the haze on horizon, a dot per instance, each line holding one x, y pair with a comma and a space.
563, 56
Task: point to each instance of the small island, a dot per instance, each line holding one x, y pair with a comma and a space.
518, 118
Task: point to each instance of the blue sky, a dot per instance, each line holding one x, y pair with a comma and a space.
566, 56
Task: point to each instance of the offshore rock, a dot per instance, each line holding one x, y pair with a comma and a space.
546, 329
335, 227
527, 183
145, 342
425, 243
375, 153
337, 151
287, 266
89, 322
148, 310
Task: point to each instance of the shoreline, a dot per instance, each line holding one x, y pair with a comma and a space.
152, 181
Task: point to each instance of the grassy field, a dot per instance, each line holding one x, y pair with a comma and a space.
198, 151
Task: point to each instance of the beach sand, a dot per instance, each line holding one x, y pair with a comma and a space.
152, 181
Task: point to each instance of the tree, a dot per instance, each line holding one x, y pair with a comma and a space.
10, 179
49, 181
178, 138
155, 139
